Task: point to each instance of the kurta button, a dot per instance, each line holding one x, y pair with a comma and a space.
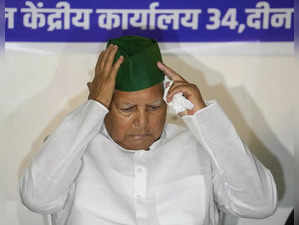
138, 196
139, 169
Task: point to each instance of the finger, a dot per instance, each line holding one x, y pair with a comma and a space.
99, 60
105, 55
183, 113
116, 66
184, 88
169, 72
98, 66
175, 84
110, 58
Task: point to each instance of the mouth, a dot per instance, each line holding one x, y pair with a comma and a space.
139, 136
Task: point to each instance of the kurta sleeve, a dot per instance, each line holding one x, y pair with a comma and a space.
48, 182
242, 185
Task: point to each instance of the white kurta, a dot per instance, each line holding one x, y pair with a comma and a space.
81, 176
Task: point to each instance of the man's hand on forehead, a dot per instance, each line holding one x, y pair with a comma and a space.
190, 91
102, 87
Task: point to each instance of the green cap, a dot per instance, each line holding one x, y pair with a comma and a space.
139, 69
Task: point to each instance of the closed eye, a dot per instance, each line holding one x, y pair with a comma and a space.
128, 109
154, 107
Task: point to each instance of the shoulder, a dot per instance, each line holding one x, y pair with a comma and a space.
179, 134
173, 130
185, 142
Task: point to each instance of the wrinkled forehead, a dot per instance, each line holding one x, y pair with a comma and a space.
149, 95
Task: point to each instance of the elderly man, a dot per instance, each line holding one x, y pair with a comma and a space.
114, 160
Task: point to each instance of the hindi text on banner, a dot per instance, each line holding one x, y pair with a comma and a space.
10, 17
263, 16
60, 18
151, 18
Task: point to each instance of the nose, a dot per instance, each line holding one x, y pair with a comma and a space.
141, 119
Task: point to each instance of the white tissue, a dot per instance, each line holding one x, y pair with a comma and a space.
179, 103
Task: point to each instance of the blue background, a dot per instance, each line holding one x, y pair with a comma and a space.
95, 34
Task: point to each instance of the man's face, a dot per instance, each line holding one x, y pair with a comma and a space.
136, 119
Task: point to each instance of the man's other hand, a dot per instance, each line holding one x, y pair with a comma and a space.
190, 91
102, 87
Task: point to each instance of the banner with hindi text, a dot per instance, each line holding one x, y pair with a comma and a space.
167, 21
